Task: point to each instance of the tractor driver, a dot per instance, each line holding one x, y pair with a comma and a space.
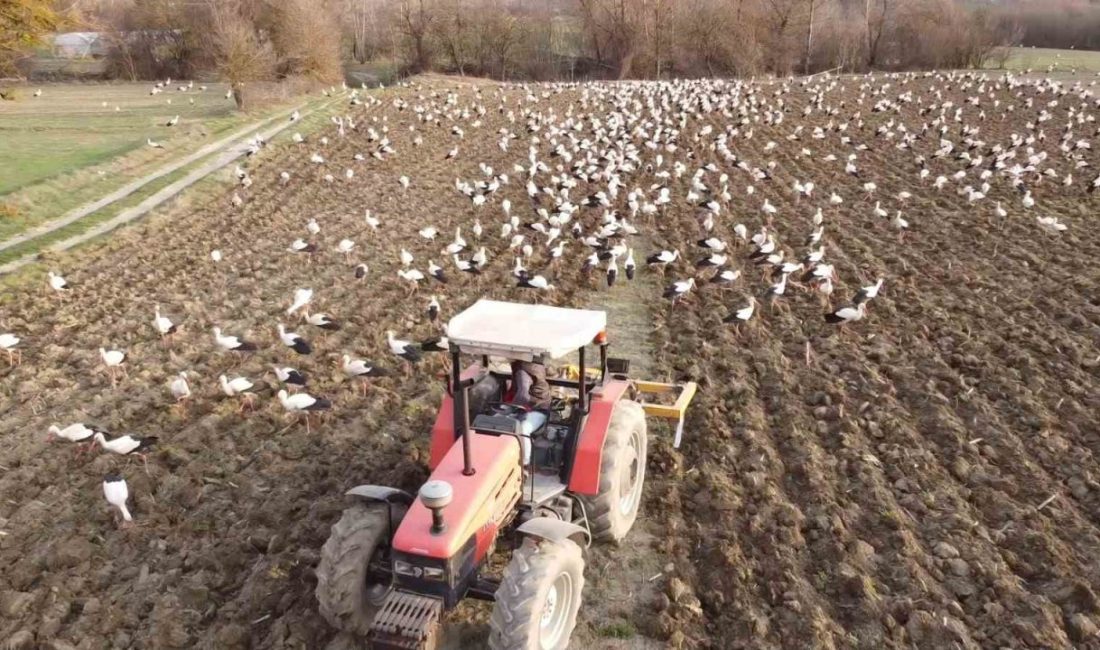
531, 391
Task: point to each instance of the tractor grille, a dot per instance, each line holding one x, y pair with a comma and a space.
406, 622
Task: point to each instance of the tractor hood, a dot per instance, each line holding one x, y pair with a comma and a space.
480, 502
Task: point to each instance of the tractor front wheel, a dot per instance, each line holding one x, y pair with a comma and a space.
613, 510
538, 599
347, 593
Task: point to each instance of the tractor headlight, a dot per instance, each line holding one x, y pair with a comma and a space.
406, 569
411, 570
433, 573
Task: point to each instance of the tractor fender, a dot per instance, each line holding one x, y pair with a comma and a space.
397, 501
554, 530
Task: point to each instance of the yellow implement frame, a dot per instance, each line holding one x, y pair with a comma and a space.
685, 392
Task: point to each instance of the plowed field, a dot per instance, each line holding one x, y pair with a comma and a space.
924, 477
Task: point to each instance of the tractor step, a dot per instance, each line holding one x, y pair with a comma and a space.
406, 622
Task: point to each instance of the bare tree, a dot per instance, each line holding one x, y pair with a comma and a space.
361, 19
454, 30
780, 18
809, 37
875, 16
655, 21
240, 54
614, 25
415, 23
501, 35
305, 34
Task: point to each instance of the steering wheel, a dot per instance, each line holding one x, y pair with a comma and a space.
504, 408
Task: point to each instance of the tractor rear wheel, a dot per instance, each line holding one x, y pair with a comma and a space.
347, 594
612, 511
538, 599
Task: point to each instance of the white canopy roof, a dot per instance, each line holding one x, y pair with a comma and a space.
521, 331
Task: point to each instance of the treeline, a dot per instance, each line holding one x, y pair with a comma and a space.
1063, 24
548, 39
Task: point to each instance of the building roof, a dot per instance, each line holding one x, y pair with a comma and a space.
80, 44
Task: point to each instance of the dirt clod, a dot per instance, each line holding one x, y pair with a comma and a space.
958, 567
1082, 627
69, 553
945, 550
13, 604
678, 590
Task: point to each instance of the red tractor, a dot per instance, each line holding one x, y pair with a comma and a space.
544, 486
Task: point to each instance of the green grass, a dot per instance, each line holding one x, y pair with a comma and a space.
1039, 59
65, 148
210, 184
380, 70
72, 126
618, 630
38, 161
96, 218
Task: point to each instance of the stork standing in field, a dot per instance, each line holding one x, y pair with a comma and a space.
77, 432
289, 377
8, 341
363, 370
413, 277
322, 321
238, 386
162, 325
535, 282
740, 317
679, 289
232, 343
868, 293
180, 389
302, 297
58, 283
128, 445
1051, 224
113, 360
404, 349
436, 272
847, 314
344, 248
294, 341
116, 493
303, 404
302, 246
662, 259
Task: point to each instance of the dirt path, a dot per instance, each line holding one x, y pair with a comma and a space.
229, 149
624, 585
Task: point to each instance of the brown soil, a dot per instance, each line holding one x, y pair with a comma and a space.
880, 492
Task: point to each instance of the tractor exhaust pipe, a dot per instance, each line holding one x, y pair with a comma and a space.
461, 411
436, 495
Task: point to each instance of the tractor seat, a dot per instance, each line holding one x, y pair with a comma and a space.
485, 391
